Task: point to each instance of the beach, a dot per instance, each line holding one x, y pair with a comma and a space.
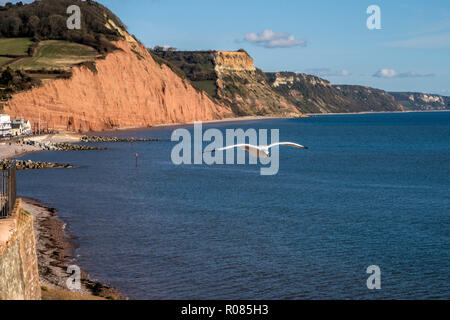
56, 251
13, 148
9, 151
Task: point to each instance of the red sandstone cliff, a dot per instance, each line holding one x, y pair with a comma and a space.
129, 90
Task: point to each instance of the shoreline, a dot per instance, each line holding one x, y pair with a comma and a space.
56, 251
168, 125
375, 112
237, 119
55, 248
74, 137
254, 118
10, 150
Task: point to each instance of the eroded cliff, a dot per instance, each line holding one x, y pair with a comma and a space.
230, 78
422, 101
246, 89
126, 89
312, 94
234, 61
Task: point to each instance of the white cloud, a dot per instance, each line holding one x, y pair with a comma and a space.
412, 74
326, 72
270, 39
391, 73
386, 73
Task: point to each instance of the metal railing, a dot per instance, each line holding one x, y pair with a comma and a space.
8, 191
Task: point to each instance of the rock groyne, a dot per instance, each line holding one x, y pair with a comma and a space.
32, 165
115, 139
49, 146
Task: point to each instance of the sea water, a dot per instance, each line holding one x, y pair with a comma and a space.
372, 190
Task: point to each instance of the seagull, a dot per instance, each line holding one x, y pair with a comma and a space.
261, 151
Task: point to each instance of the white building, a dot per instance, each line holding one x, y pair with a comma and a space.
27, 127
20, 126
5, 125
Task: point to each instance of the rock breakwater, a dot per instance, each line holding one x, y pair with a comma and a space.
32, 165
114, 139
48, 146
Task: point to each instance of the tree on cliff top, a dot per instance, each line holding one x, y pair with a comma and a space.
46, 20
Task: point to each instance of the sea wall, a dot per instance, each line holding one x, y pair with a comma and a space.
19, 276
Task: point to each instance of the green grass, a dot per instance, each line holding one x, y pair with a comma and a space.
4, 60
15, 46
56, 54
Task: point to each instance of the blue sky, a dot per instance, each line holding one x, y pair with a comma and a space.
328, 38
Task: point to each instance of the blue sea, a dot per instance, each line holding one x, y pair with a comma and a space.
372, 189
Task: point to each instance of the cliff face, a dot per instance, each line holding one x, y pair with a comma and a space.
245, 89
226, 61
290, 79
422, 101
128, 89
312, 94
230, 78
369, 99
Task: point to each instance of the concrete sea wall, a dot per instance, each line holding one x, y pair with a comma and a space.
19, 276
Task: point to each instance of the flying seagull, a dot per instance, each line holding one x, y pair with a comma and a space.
261, 151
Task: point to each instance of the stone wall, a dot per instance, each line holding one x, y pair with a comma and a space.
19, 277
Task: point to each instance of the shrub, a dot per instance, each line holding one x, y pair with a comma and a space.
46, 20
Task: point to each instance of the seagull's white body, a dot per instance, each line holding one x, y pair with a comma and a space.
260, 151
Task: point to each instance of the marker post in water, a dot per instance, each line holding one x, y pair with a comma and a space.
137, 156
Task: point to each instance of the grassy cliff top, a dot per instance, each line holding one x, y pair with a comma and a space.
56, 55
15, 46
36, 44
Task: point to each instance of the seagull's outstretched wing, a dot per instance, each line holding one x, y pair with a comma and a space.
246, 147
288, 144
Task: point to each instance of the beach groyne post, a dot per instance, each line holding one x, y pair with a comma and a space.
8, 191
